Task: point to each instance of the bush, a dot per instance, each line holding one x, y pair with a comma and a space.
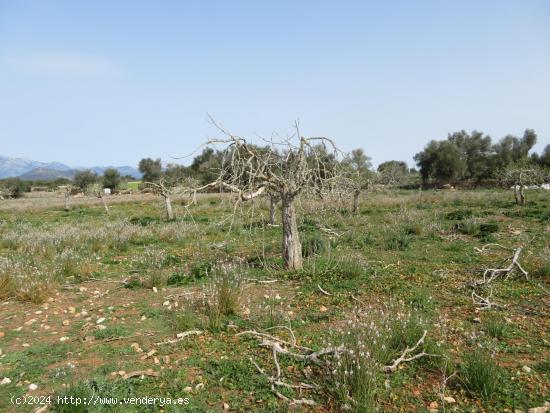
544, 270
358, 240
486, 229
177, 278
202, 269
467, 227
413, 229
13, 188
314, 245
481, 375
398, 241
460, 214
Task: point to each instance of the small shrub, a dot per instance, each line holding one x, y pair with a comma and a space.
495, 328
460, 214
486, 229
467, 227
314, 245
133, 283
25, 280
177, 278
110, 332
227, 290
544, 270
481, 375
398, 241
183, 320
202, 269
144, 221
358, 240
413, 229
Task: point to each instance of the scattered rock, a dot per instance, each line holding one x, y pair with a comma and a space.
477, 320
449, 399
72, 310
2, 334
66, 322
38, 312
188, 389
526, 369
5, 381
199, 386
434, 406
166, 303
101, 327
323, 309
100, 320
62, 339
155, 290
31, 321
33, 387
226, 406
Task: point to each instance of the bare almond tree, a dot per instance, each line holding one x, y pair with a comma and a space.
166, 188
285, 169
522, 175
165, 191
97, 191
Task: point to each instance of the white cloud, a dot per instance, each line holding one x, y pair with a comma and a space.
63, 64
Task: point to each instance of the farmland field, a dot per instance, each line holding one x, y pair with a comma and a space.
88, 299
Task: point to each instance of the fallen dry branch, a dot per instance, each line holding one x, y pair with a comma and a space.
180, 336
491, 274
139, 373
488, 246
406, 355
323, 291
484, 303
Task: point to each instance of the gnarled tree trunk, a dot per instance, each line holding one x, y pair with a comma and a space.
168, 205
105, 205
67, 197
292, 249
356, 194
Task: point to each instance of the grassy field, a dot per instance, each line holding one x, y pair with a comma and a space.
89, 298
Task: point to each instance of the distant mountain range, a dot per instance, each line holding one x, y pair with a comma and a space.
35, 170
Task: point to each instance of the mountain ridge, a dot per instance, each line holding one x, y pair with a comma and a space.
31, 169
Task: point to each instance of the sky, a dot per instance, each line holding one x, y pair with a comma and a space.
110, 82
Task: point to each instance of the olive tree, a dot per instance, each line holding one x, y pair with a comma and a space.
283, 169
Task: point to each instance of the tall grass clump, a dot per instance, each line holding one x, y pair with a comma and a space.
481, 375
370, 339
222, 295
24, 280
152, 262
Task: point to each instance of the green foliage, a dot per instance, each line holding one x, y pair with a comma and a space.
151, 169
481, 375
313, 245
202, 269
13, 188
398, 241
84, 179
111, 178
460, 214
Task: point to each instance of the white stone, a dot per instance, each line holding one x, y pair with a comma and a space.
526, 369
5, 381
100, 320
33, 387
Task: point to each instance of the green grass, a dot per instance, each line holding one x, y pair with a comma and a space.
413, 249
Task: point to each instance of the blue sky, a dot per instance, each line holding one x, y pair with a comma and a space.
110, 82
